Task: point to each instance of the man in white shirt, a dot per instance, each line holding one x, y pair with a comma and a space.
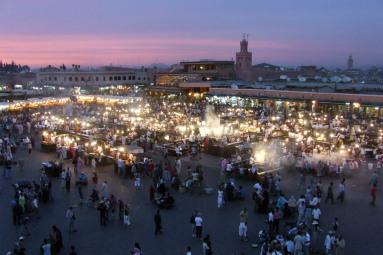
178, 166
46, 248
229, 167
258, 188
341, 191
71, 218
316, 214
188, 250
290, 247
198, 225
329, 242
104, 189
315, 201
307, 243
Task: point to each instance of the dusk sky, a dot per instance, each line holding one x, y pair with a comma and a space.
124, 32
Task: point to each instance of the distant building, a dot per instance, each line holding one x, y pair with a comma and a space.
265, 72
243, 60
350, 63
196, 71
174, 79
210, 69
101, 77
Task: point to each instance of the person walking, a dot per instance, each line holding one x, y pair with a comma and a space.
270, 222
93, 164
157, 223
35, 207
329, 243
299, 241
373, 194
220, 198
67, 180
335, 225
242, 229
136, 249
198, 226
126, 216
206, 246
192, 222
73, 250
340, 245
57, 236
103, 213
121, 208
374, 179
71, 217
94, 179
188, 251
24, 227
341, 191
46, 248
330, 193
104, 190
17, 212
276, 219
80, 194
316, 213
29, 148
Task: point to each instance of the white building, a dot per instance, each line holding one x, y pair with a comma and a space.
92, 78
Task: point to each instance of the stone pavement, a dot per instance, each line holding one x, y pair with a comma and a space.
360, 223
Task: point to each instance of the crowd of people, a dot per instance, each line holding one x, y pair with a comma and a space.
292, 226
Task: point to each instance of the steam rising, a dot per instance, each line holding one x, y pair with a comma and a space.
212, 124
267, 154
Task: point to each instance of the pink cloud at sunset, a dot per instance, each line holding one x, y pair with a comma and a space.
91, 50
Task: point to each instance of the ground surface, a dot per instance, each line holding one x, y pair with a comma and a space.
360, 223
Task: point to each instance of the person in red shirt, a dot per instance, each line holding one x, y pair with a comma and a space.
373, 194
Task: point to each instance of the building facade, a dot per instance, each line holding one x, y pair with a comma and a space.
92, 78
210, 69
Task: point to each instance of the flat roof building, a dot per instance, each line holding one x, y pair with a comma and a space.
210, 69
92, 78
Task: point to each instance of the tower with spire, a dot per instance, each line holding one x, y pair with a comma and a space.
350, 62
243, 59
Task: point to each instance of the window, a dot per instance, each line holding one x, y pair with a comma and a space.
139, 78
55, 78
130, 78
110, 78
96, 78
115, 78
104, 78
82, 78
76, 79
133, 77
124, 78
70, 78
50, 78
119, 78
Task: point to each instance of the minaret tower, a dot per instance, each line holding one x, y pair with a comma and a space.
350, 62
243, 59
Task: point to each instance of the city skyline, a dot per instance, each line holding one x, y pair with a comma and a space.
94, 33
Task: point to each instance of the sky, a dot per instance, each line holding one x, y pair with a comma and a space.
132, 32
